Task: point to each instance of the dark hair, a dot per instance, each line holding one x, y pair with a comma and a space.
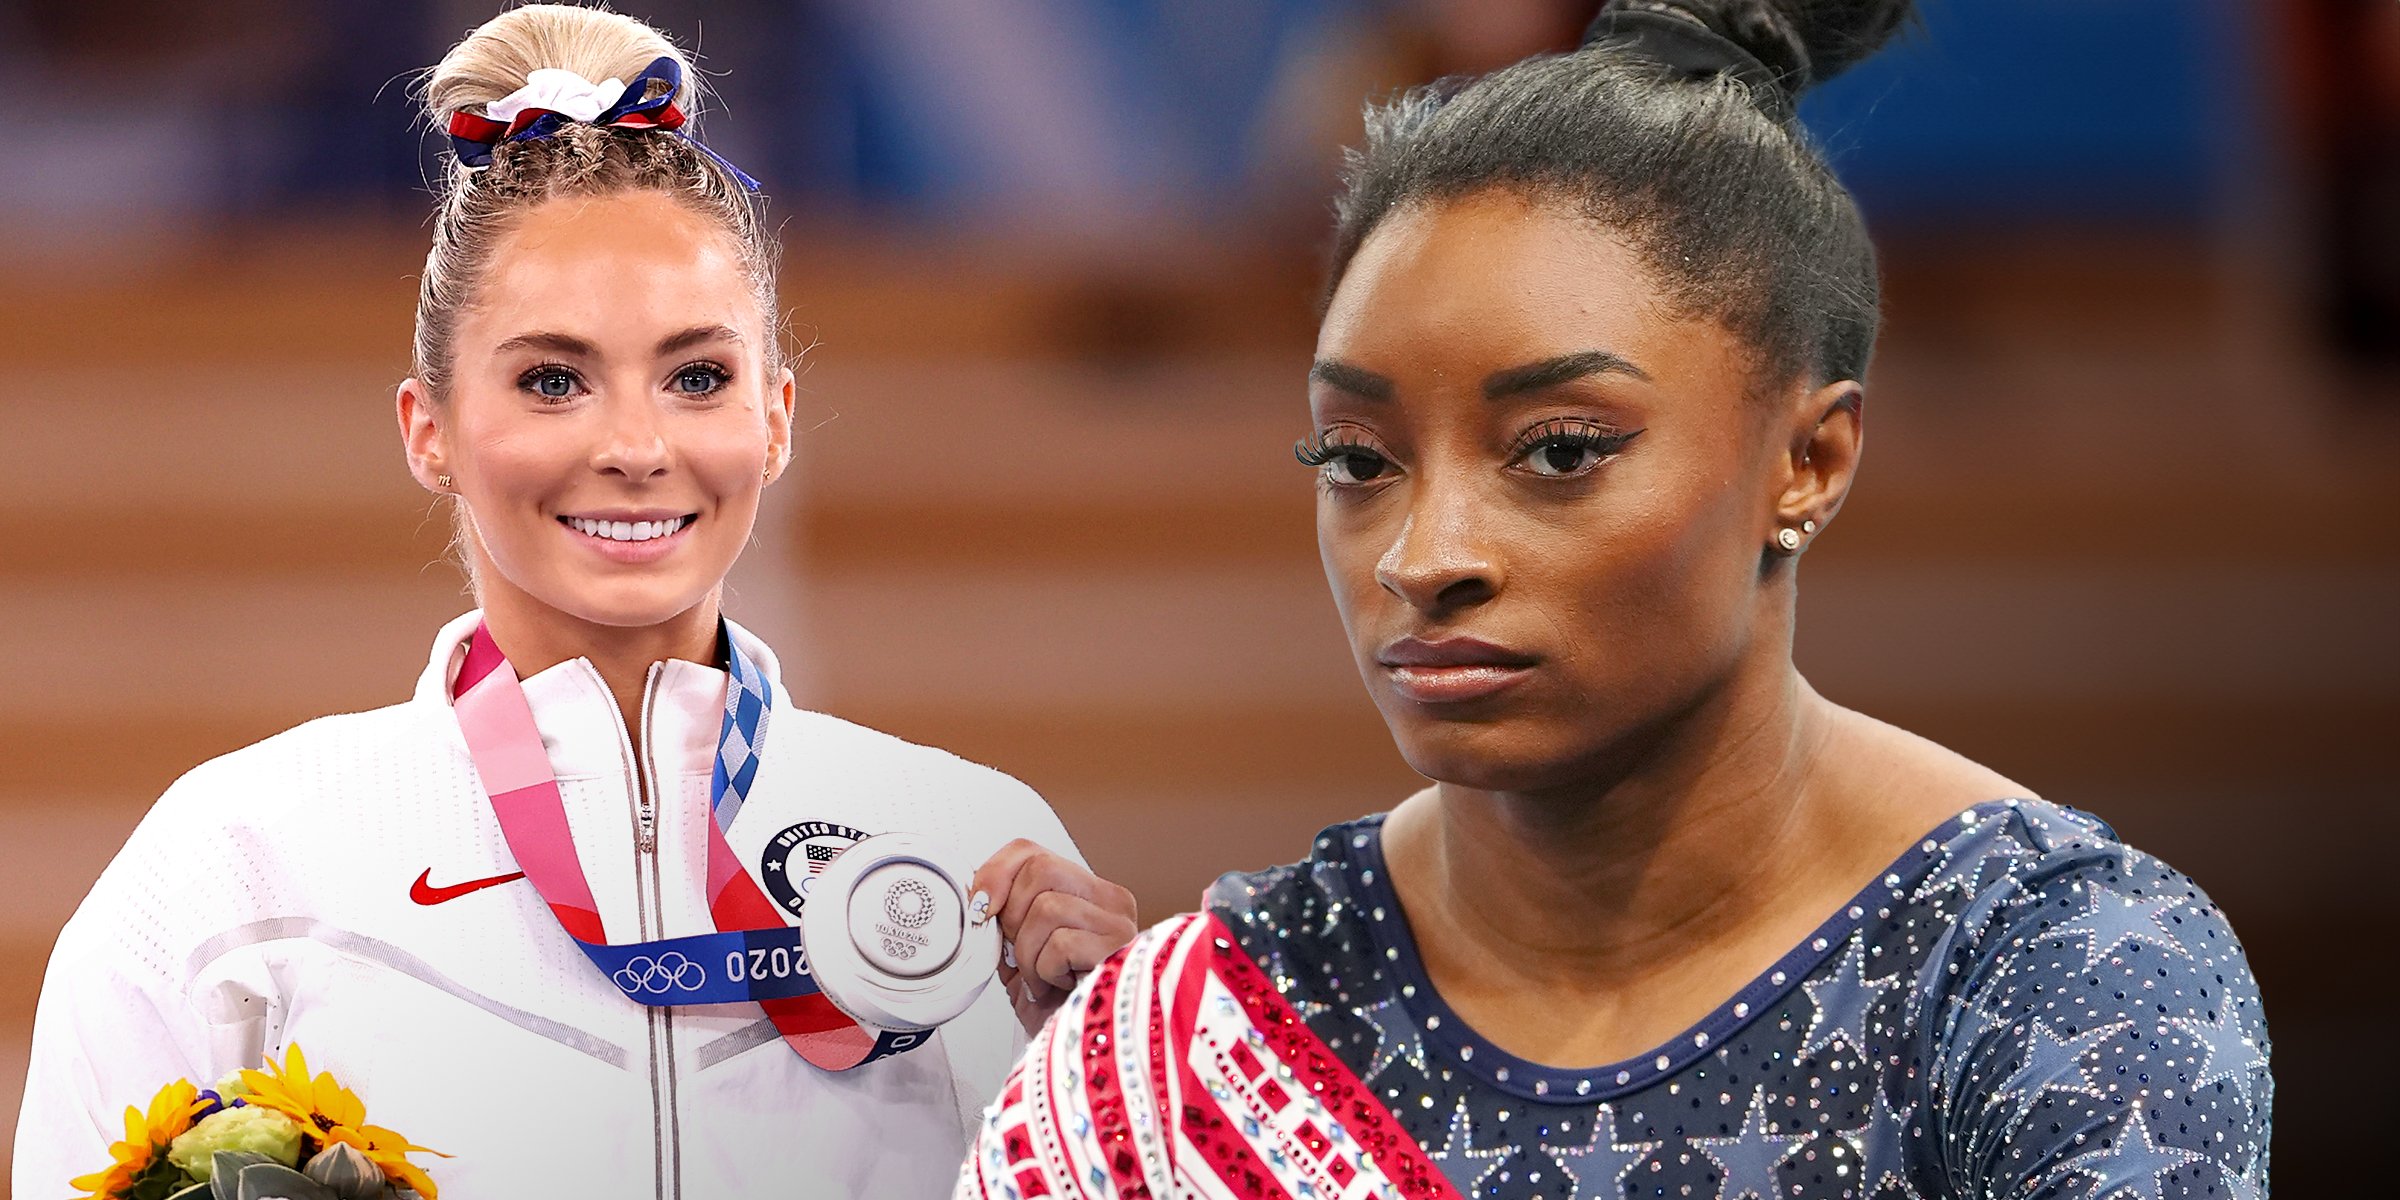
1707, 172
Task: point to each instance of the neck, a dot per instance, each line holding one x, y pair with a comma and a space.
1688, 838
536, 637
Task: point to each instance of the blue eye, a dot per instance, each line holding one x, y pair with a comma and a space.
698, 380
551, 384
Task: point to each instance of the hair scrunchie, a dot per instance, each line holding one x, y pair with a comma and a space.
554, 97
1682, 41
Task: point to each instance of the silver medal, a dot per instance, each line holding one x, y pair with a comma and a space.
892, 938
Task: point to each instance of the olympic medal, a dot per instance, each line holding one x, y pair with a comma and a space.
890, 938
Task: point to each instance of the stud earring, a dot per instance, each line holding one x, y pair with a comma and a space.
1788, 538
442, 480
1808, 526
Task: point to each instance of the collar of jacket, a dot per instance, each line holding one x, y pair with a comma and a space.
576, 714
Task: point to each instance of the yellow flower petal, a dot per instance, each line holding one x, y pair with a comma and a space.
146, 1137
334, 1115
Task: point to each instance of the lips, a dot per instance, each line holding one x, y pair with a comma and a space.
1451, 670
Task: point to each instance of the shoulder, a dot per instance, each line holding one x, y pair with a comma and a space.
2083, 905
314, 769
2028, 877
835, 750
888, 782
249, 834
1319, 912
1284, 896
2030, 866
2091, 992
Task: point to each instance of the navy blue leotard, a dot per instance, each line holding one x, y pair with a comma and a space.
2020, 1007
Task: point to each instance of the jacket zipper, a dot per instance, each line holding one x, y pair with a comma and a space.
659, 1022
668, 1119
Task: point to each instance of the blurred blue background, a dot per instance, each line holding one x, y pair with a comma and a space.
2130, 530
979, 110
2051, 110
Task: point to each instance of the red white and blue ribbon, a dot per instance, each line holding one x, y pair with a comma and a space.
474, 135
753, 956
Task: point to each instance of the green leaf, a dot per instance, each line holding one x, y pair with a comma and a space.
157, 1181
225, 1167
275, 1181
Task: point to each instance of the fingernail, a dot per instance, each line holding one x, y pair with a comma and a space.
1008, 954
981, 906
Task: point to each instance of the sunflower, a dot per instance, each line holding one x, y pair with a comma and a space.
143, 1154
332, 1115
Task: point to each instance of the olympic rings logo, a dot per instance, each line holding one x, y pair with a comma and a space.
669, 971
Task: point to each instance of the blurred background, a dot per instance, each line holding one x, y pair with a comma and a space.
2128, 531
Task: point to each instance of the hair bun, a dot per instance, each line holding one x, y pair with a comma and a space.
1835, 34
1796, 43
502, 54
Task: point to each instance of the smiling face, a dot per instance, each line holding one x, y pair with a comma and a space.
1545, 497
612, 415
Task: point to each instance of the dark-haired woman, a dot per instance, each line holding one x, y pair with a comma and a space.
1669, 923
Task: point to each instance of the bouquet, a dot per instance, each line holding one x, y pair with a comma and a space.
275, 1134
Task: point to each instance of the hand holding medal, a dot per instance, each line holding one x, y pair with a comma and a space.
1057, 921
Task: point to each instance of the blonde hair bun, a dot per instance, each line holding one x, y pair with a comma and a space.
501, 54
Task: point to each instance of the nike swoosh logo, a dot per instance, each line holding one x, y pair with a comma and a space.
423, 893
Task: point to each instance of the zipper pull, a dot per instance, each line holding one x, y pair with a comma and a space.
646, 839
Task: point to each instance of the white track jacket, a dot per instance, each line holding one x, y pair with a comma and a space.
313, 888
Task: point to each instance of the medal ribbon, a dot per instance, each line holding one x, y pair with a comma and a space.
753, 956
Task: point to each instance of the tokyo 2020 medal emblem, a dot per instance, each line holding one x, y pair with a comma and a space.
795, 857
908, 907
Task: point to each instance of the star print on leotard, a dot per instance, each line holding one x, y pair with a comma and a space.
2021, 1005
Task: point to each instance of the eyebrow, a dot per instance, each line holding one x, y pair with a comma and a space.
698, 334
569, 344
1532, 377
556, 343
1550, 372
1355, 380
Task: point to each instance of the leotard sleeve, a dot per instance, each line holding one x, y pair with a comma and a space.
2094, 1029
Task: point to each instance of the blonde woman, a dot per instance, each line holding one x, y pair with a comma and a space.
496, 911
